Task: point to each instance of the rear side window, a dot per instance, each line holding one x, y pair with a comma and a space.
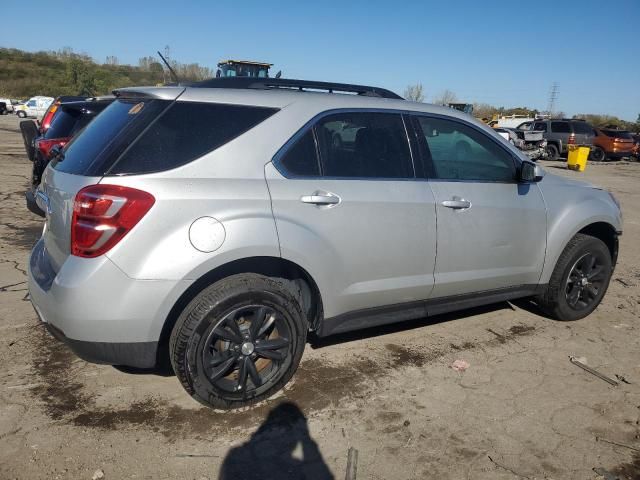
187, 131
364, 145
560, 127
301, 159
582, 127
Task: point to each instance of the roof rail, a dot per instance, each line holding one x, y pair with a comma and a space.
302, 85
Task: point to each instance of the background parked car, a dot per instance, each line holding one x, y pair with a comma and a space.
562, 132
612, 144
8, 105
69, 119
35, 107
53, 107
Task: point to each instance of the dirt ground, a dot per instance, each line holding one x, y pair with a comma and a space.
521, 410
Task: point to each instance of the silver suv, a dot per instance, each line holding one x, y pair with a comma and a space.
214, 226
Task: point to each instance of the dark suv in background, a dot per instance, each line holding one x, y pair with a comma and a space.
562, 132
69, 118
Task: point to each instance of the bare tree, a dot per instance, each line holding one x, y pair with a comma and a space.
112, 60
414, 93
445, 97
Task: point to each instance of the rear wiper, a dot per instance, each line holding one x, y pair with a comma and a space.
57, 154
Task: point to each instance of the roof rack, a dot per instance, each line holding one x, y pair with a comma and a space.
301, 85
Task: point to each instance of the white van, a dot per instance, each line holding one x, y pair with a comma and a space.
35, 107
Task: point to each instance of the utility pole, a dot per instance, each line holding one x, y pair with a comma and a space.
553, 96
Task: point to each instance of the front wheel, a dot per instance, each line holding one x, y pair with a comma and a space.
580, 279
552, 152
22, 115
239, 341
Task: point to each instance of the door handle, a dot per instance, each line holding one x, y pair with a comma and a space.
321, 198
457, 203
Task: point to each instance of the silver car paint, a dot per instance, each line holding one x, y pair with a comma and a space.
393, 238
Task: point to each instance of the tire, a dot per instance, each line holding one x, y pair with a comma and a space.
213, 345
598, 155
22, 114
552, 152
566, 283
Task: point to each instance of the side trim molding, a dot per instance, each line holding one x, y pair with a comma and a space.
373, 317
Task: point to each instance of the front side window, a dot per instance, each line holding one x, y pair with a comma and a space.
540, 126
364, 145
460, 152
560, 127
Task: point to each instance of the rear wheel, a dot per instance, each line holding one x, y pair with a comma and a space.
552, 151
598, 155
239, 341
21, 114
580, 279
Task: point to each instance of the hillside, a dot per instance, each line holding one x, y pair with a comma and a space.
24, 74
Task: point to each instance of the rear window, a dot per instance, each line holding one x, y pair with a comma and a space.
107, 136
582, 127
63, 124
185, 132
617, 134
560, 127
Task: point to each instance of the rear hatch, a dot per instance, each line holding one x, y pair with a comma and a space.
87, 157
622, 140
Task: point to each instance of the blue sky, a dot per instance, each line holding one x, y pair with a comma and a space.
502, 53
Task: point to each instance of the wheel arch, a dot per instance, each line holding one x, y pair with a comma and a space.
263, 265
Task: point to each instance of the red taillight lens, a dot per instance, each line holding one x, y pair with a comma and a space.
103, 215
46, 121
45, 146
572, 139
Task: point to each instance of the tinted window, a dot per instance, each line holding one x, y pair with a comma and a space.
560, 127
540, 126
364, 145
301, 158
187, 131
460, 152
582, 127
63, 123
107, 136
617, 134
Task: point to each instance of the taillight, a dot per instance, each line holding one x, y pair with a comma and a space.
45, 145
46, 121
572, 139
103, 215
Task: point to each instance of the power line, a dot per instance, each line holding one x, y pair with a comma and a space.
553, 96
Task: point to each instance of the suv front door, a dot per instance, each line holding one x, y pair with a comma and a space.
491, 228
349, 208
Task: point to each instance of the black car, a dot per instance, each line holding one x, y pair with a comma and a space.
68, 121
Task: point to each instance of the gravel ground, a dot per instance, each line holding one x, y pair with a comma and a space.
521, 409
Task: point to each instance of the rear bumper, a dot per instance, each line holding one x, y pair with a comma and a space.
103, 315
139, 354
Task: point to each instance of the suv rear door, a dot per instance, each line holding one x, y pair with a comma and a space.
491, 229
349, 208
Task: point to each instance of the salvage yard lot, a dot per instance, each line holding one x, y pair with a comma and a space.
520, 410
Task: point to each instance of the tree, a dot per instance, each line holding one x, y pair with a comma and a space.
444, 98
414, 93
112, 60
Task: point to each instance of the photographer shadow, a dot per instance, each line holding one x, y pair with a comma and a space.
281, 448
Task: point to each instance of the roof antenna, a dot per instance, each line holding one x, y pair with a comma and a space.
175, 75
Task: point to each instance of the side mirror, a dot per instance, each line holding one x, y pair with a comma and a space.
530, 172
